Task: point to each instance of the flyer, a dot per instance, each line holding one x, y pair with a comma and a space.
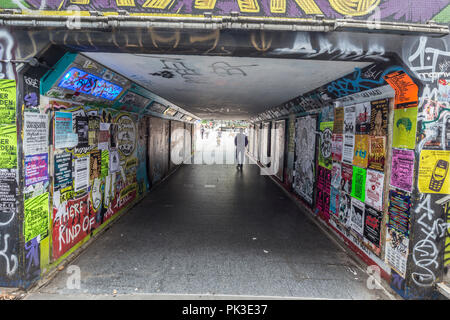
434, 172
345, 208
36, 217
81, 178
326, 133
336, 147
7, 102
374, 189
362, 118
8, 194
396, 253
402, 170
82, 129
334, 201
35, 133
378, 117
377, 153
405, 123
361, 155
357, 218
64, 135
114, 159
406, 91
8, 146
336, 172
104, 163
63, 170
348, 148
36, 169
359, 183
372, 225
346, 178
95, 165
399, 211
338, 127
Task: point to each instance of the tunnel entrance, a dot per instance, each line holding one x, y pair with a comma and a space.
154, 134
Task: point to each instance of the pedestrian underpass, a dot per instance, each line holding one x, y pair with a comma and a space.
126, 164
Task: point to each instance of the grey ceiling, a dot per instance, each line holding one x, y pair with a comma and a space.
214, 87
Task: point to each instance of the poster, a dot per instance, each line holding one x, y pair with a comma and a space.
406, 91
349, 120
64, 135
334, 201
323, 192
434, 172
126, 135
362, 118
305, 158
377, 153
82, 130
374, 189
326, 133
336, 172
8, 194
81, 178
361, 155
357, 217
95, 165
7, 102
63, 170
71, 224
8, 146
372, 226
35, 133
399, 211
345, 208
114, 163
396, 251
402, 170
349, 134
405, 123
94, 129
359, 183
346, 178
36, 217
104, 163
338, 126
336, 147
103, 136
36, 169
379, 117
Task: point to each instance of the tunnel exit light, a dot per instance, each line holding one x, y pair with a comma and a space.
83, 82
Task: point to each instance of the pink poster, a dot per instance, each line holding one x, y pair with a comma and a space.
402, 169
336, 147
374, 189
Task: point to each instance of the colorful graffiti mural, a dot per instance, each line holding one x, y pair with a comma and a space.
389, 10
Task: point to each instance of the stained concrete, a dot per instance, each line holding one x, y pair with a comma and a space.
211, 230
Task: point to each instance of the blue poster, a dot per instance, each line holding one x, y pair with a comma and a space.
64, 135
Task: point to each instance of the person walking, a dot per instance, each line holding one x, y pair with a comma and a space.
240, 141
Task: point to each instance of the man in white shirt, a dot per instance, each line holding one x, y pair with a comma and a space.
240, 141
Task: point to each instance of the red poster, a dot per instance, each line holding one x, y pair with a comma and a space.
346, 178
71, 223
336, 147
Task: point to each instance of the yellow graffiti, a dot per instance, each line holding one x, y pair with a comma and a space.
156, 38
215, 35
265, 45
248, 5
205, 4
157, 4
77, 2
278, 6
354, 7
309, 6
125, 3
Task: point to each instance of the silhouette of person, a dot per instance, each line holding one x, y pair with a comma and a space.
240, 141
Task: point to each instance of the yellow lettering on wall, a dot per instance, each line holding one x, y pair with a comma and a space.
278, 6
354, 7
248, 5
79, 1
125, 3
205, 4
156, 4
309, 6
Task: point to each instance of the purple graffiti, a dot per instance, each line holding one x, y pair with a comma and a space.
412, 10
32, 255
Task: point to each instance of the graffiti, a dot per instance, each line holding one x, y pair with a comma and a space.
390, 10
225, 69
425, 251
11, 260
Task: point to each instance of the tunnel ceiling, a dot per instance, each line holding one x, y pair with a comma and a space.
214, 87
